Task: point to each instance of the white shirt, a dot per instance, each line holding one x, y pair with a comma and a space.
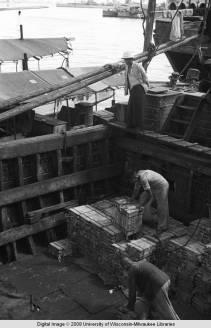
151, 180
136, 76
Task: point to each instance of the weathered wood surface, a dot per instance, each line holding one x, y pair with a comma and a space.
171, 153
50, 142
43, 98
149, 23
49, 209
11, 235
59, 183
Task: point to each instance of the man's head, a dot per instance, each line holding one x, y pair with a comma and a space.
128, 58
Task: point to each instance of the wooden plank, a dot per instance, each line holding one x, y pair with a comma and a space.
29, 241
60, 171
75, 158
59, 162
89, 165
31, 245
21, 182
1, 175
47, 210
156, 150
50, 142
59, 183
75, 167
194, 120
11, 235
9, 248
15, 251
106, 160
38, 168
178, 101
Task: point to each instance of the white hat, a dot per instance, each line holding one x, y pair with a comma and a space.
127, 55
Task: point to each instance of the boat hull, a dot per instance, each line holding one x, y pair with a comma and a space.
184, 57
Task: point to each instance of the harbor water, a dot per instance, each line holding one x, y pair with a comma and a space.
98, 40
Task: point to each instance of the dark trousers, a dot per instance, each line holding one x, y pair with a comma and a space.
135, 112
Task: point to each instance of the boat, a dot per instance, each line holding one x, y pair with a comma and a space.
110, 12
61, 181
185, 57
129, 11
123, 11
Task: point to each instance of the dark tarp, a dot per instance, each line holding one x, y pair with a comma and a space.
14, 49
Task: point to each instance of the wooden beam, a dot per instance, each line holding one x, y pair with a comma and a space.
156, 149
11, 235
49, 209
50, 142
63, 91
149, 23
59, 183
76, 80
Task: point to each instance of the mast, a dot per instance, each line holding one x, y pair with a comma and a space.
149, 23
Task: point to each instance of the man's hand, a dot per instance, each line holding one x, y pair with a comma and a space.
109, 67
141, 209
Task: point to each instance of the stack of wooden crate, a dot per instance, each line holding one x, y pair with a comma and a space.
157, 109
183, 261
202, 292
140, 249
124, 213
95, 235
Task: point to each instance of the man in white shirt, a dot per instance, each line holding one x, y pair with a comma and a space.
136, 82
155, 187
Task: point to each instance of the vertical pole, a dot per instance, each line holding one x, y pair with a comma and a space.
20, 25
21, 32
96, 101
25, 62
149, 23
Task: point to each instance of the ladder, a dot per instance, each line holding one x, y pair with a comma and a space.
182, 118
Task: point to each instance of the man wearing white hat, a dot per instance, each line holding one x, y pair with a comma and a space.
136, 82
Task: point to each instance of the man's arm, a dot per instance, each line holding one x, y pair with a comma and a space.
145, 197
147, 194
136, 190
132, 289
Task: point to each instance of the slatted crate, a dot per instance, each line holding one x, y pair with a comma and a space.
127, 215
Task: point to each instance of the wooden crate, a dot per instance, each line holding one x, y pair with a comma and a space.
127, 215
119, 110
157, 109
60, 248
